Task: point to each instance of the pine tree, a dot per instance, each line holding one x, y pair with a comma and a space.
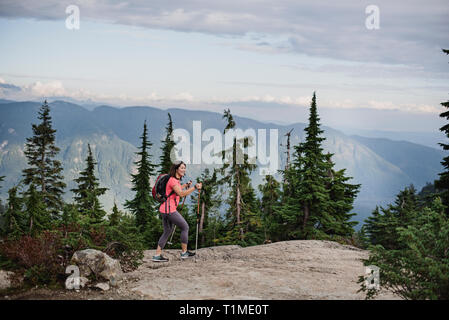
306, 201
382, 225
143, 206
342, 195
289, 211
114, 218
2, 208
88, 191
315, 198
70, 215
38, 219
167, 148
313, 168
443, 182
418, 268
241, 216
14, 216
208, 207
252, 219
270, 199
44, 171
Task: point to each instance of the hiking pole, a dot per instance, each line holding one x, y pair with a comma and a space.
197, 222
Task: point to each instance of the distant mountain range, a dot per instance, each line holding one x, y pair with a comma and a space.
382, 166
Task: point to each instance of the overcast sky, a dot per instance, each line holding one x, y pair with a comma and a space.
197, 54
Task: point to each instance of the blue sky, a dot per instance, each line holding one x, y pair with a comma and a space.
265, 58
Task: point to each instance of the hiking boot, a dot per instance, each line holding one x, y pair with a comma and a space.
160, 258
187, 254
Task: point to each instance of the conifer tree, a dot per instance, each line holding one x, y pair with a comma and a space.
442, 183
313, 168
167, 148
14, 216
342, 195
382, 225
289, 211
70, 214
209, 203
143, 206
305, 198
240, 214
44, 171
38, 219
315, 198
418, 267
114, 218
88, 191
2, 209
270, 199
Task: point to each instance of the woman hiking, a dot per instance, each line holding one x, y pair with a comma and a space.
170, 216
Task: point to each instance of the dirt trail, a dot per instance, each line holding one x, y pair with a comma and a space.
284, 270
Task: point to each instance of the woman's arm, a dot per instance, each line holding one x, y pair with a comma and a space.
182, 193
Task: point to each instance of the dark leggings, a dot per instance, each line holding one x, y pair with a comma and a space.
169, 221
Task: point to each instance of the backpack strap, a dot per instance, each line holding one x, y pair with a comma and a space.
167, 200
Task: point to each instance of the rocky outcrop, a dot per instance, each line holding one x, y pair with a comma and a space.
298, 270
91, 261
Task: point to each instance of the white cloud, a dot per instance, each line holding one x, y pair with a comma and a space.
412, 108
49, 89
39, 90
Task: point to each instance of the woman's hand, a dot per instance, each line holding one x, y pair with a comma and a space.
198, 186
187, 185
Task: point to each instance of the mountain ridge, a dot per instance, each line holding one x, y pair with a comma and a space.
382, 171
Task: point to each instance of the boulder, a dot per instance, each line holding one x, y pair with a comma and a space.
99, 263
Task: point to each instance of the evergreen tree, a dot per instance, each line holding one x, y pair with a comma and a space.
126, 242
208, 207
443, 182
288, 213
270, 199
2, 208
167, 148
315, 198
88, 191
242, 219
313, 168
381, 227
306, 195
143, 206
70, 214
38, 219
14, 216
419, 269
342, 195
114, 218
44, 171
427, 194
